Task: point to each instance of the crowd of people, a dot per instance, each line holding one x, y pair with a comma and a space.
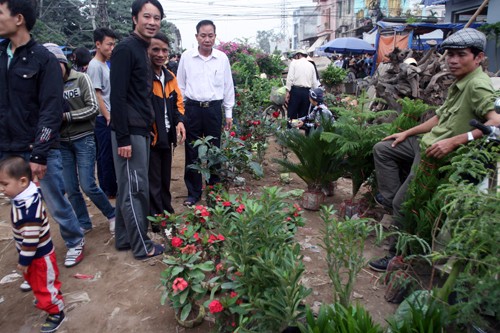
125, 109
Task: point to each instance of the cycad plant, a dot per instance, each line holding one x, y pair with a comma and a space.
336, 318
317, 164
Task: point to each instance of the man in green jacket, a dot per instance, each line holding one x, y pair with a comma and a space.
471, 96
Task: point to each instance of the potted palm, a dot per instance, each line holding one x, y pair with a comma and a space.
317, 165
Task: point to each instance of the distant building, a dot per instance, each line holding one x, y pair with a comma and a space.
305, 20
460, 11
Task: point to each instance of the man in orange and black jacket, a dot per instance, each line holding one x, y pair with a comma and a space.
168, 106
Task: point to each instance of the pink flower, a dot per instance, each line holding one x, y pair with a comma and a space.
191, 249
215, 306
179, 284
176, 242
220, 237
233, 134
218, 267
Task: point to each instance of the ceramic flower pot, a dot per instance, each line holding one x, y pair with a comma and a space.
197, 316
311, 200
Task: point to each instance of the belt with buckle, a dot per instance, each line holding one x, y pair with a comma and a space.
205, 104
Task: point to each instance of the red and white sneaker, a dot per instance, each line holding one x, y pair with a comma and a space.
74, 255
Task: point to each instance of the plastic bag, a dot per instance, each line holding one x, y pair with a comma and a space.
278, 95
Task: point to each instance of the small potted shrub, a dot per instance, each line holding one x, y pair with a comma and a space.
317, 165
183, 281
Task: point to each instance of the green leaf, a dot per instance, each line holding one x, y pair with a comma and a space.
176, 271
183, 295
185, 311
207, 266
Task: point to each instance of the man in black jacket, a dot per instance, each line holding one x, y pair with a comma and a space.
131, 123
31, 106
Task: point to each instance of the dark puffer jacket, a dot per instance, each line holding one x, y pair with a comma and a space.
31, 102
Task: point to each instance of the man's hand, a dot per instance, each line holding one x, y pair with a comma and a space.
38, 170
229, 124
22, 269
287, 97
441, 148
181, 133
125, 152
108, 118
398, 137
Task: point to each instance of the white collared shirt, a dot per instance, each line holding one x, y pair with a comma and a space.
301, 73
207, 78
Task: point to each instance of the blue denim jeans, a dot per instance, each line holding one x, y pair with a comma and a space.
78, 160
52, 187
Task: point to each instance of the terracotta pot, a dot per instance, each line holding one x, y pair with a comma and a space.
311, 200
189, 323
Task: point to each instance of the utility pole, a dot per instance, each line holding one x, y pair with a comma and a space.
284, 25
102, 13
92, 12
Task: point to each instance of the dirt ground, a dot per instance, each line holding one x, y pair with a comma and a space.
124, 294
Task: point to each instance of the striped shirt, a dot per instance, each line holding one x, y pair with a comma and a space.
30, 226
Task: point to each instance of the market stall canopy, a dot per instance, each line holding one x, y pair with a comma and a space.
347, 45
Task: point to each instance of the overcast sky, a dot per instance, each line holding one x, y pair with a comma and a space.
233, 18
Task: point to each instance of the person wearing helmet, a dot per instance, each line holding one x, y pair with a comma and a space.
319, 112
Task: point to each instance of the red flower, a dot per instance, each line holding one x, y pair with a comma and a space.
164, 224
233, 134
296, 214
199, 207
205, 212
256, 122
179, 284
215, 306
240, 208
212, 239
276, 114
176, 242
238, 103
226, 204
243, 138
233, 294
220, 237
196, 236
191, 249
183, 230
219, 267
297, 207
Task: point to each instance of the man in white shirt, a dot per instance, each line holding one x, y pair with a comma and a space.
98, 72
204, 77
300, 79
